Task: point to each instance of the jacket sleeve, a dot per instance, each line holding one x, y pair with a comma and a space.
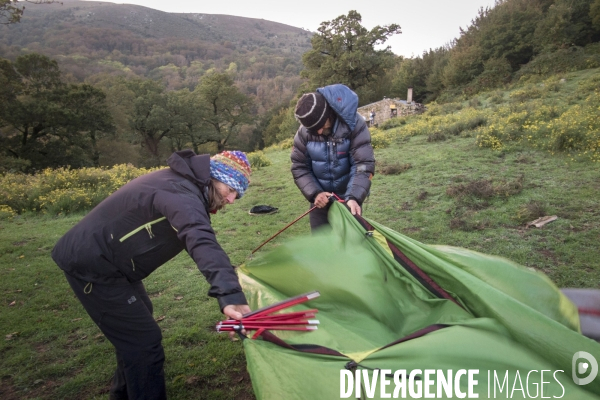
362, 160
187, 215
302, 171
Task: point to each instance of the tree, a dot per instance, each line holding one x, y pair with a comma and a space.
151, 117
44, 122
568, 23
188, 125
11, 11
85, 111
423, 73
343, 51
283, 125
223, 108
595, 14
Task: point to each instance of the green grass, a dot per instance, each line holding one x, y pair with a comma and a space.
50, 348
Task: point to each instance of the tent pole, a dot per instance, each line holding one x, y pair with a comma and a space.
287, 226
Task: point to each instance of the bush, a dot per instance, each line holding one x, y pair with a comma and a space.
496, 97
286, 144
392, 123
590, 84
436, 137
497, 72
466, 125
443, 109
560, 61
379, 140
475, 102
6, 212
527, 93
258, 160
63, 190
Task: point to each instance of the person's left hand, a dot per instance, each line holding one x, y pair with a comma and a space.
354, 207
236, 311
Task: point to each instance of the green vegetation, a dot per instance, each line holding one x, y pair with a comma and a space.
159, 83
94, 40
47, 122
343, 51
511, 134
514, 38
452, 192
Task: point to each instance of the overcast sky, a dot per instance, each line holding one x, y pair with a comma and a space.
426, 24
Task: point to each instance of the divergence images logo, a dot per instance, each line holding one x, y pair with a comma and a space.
581, 367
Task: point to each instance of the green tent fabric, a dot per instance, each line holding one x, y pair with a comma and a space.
454, 309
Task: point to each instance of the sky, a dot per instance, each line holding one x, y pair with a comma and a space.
425, 24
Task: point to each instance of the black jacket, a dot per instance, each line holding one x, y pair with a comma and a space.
147, 222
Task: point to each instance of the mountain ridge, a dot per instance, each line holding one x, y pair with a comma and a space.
150, 23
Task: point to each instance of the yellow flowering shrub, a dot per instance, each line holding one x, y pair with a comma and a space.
6, 212
527, 93
63, 190
258, 159
286, 143
577, 131
380, 139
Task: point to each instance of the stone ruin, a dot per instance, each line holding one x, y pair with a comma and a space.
390, 108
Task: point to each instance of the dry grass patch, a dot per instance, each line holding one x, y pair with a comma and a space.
530, 211
486, 188
393, 168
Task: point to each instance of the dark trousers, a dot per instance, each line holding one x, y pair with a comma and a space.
123, 312
318, 217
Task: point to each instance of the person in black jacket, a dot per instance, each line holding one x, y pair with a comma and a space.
134, 231
332, 151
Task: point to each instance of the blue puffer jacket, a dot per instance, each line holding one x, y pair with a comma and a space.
342, 162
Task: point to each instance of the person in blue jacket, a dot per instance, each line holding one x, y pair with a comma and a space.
137, 229
332, 151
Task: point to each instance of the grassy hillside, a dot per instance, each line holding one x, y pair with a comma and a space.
435, 183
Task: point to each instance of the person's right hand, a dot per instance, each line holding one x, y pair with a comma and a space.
322, 199
236, 311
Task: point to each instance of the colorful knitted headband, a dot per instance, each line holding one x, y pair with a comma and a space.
232, 168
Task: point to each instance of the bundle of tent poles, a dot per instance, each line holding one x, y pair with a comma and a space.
265, 318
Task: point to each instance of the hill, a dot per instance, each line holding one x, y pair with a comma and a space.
145, 22
90, 38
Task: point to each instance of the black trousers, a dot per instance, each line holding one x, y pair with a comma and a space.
318, 217
123, 312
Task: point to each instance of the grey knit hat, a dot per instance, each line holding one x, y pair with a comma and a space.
312, 111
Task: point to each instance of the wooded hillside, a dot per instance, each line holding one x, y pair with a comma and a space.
91, 38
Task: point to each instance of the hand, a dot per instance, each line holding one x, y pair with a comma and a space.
322, 199
354, 207
236, 311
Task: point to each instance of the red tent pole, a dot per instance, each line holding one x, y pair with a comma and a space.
287, 226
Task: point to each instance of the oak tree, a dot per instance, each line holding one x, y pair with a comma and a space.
344, 51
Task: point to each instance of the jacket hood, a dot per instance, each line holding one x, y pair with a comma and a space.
195, 168
343, 101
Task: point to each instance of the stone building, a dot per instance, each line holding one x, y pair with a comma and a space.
391, 108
